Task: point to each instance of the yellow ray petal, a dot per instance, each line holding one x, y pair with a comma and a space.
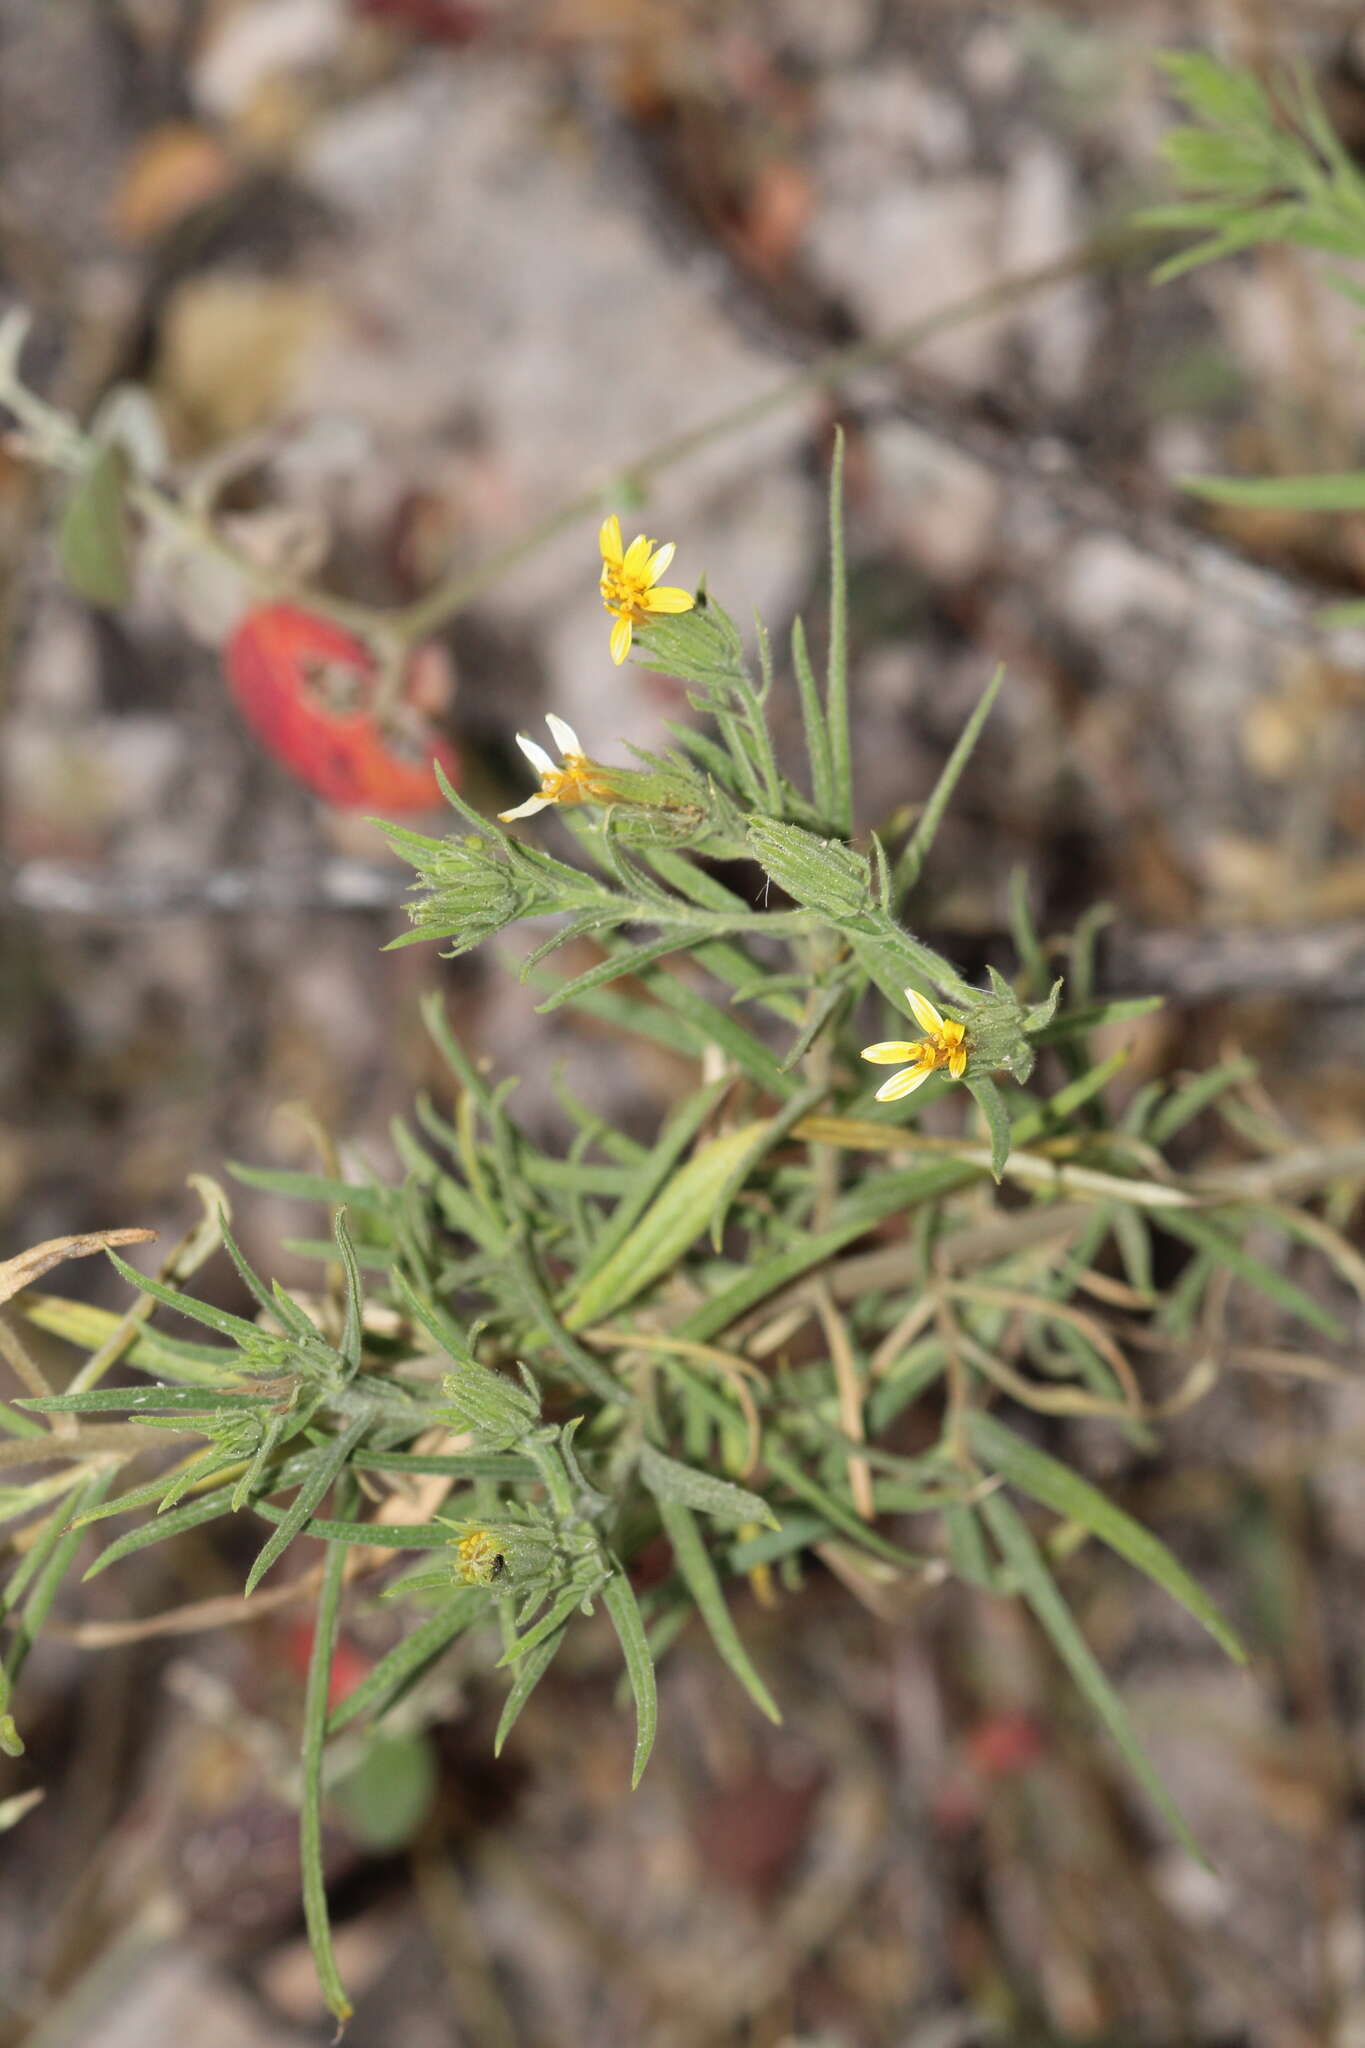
925, 1015
903, 1084
891, 1052
957, 1062
620, 641
609, 540
668, 599
636, 558
660, 560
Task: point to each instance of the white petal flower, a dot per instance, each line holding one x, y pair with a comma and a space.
536, 755
572, 782
564, 736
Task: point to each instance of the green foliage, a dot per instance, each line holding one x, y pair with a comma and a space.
1264, 166
1258, 166
710, 1345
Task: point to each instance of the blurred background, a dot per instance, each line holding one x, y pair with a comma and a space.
401, 277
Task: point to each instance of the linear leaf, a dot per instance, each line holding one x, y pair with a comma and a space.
1039, 1588
989, 1101
176, 1521
1206, 1236
911, 860
843, 1518
650, 1176
330, 1463
310, 1805
143, 1401
836, 682
554, 1618
374, 1535
406, 1661
667, 1480
217, 1319
673, 1222
621, 1604
1056, 1486
529, 1672
699, 1574
1336, 492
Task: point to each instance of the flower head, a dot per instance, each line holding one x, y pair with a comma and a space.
630, 584
478, 1558
943, 1045
577, 781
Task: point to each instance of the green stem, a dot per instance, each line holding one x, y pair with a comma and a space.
310, 1804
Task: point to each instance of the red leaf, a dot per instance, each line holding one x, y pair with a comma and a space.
304, 688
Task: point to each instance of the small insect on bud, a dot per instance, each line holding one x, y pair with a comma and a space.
478, 1559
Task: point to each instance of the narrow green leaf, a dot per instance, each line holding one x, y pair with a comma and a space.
407, 1661
308, 1187
90, 1328
1056, 1486
1038, 1587
836, 687
621, 961
353, 1326
669, 1481
677, 1217
192, 1515
526, 1678
144, 1401
911, 860
650, 1177
816, 731
217, 1319
373, 1535
835, 1512
765, 1138
1186, 1103
310, 1806
699, 1575
1207, 1236
1075, 1023
621, 1604
798, 1532
453, 1464
330, 1463
552, 1620
967, 1551
989, 1101
878, 1198
1343, 492
1134, 1240
60, 1552
92, 540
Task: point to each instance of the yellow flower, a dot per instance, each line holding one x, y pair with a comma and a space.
630, 578
479, 1559
943, 1045
578, 781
